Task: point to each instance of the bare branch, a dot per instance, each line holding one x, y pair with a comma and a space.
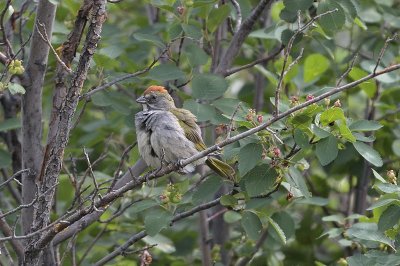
240, 36
45, 38
14, 176
256, 62
7, 232
128, 76
349, 68
382, 52
238, 14
6, 41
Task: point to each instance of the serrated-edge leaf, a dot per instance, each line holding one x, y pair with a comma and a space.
278, 230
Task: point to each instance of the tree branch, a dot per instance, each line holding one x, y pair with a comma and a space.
32, 109
240, 36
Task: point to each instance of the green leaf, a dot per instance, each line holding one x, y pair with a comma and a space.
196, 56
154, 39
217, 16
396, 147
203, 112
296, 179
192, 31
295, 5
143, 205
5, 159
10, 124
301, 139
286, 35
369, 231
318, 201
332, 21
229, 106
349, 7
378, 176
249, 156
15, 88
165, 72
381, 203
346, 133
232, 217
251, 225
387, 188
365, 125
206, 190
319, 132
277, 231
389, 218
228, 200
163, 243
368, 153
208, 86
156, 220
314, 66
331, 115
327, 150
369, 86
259, 180
286, 223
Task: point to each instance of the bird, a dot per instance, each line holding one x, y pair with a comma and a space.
167, 134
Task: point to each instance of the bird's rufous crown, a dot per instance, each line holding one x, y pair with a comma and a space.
155, 88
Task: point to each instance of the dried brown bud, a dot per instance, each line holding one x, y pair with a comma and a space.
146, 258
338, 103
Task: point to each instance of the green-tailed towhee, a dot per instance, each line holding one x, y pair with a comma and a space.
169, 134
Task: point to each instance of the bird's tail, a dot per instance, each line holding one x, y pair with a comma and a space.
221, 168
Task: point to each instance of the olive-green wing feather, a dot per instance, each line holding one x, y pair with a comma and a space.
187, 121
192, 131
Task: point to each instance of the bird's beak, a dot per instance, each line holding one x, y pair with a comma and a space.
141, 100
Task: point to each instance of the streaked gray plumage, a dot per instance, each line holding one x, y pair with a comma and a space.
159, 135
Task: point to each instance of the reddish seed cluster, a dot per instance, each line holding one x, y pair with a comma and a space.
310, 97
259, 119
337, 103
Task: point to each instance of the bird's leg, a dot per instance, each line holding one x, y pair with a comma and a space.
179, 164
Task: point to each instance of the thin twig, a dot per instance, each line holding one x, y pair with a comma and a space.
256, 62
6, 41
382, 52
121, 162
14, 176
230, 126
46, 39
349, 68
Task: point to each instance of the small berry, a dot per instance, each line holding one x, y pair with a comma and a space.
276, 151
289, 196
310, 97
337, 103
180, 10
259, 118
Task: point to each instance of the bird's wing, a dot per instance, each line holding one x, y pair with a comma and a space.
187, 121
